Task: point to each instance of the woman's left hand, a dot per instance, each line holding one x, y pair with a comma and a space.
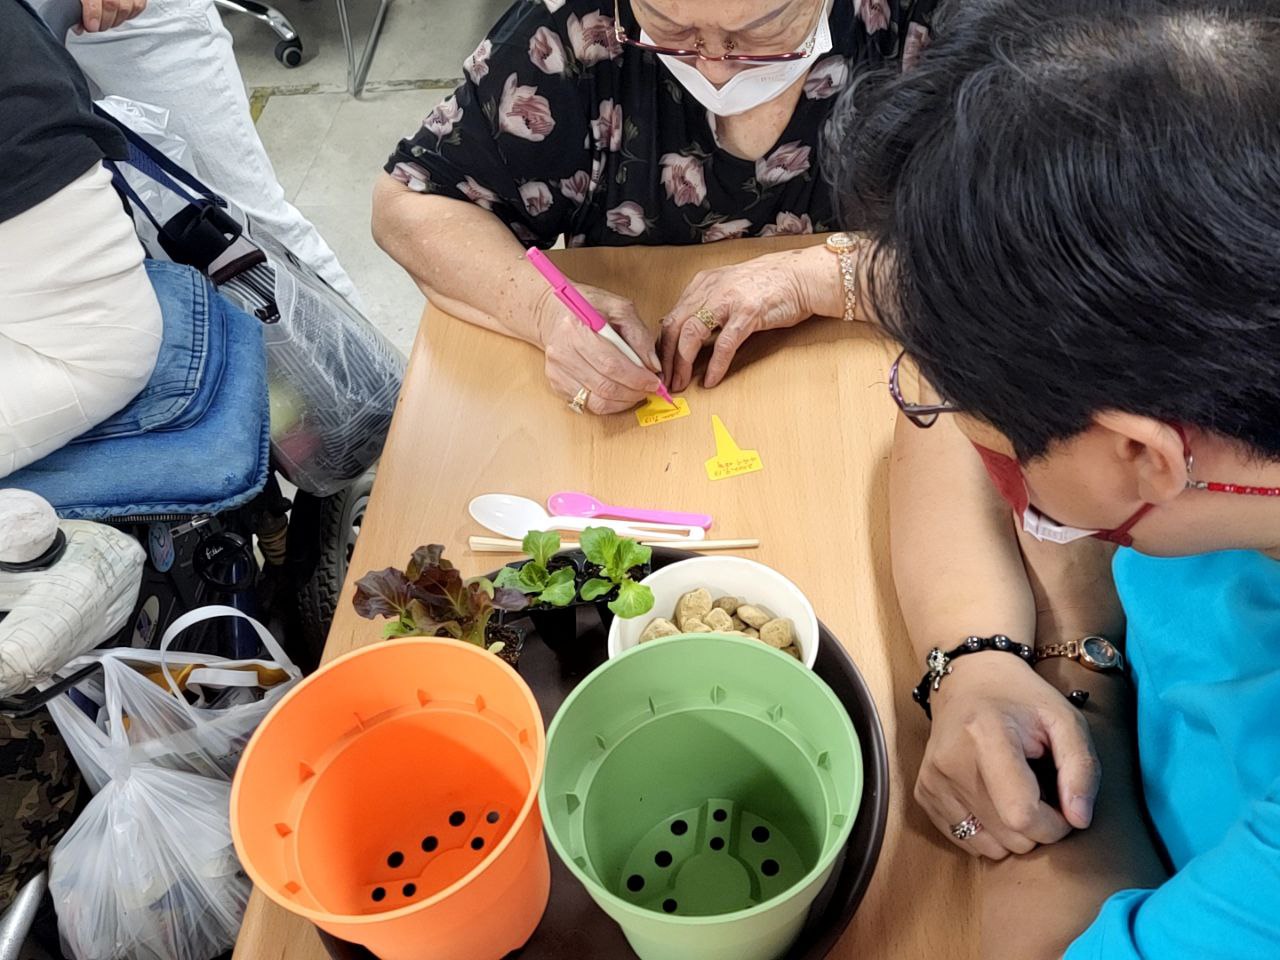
771, 292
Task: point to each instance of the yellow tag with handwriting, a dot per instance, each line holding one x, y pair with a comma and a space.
657, 410
730, 459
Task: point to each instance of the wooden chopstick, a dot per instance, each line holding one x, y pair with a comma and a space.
498, 545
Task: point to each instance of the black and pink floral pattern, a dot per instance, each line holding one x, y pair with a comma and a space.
558, 129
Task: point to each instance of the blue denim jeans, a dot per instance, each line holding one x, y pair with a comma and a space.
195, 440
189, 367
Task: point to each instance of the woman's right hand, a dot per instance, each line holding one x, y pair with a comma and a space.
577, 357
990, 717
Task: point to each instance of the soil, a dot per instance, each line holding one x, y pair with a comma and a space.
513, 638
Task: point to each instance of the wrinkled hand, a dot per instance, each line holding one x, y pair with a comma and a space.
990, 716
766, 293
99, 15
578, 357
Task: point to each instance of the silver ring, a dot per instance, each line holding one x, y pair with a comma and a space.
967, 829
579, 401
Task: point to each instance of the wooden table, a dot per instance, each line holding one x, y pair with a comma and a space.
476, 416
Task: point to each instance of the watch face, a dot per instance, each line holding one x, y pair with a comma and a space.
1100, 650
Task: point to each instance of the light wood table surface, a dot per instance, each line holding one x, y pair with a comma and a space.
476, 416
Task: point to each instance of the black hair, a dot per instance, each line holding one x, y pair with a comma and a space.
1075, 207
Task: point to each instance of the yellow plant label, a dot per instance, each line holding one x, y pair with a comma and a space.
657, 410
730, 459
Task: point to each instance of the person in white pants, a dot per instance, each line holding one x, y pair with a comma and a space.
176, 54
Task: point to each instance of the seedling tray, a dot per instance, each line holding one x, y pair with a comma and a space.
574, 926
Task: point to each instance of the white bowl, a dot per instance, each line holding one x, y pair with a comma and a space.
747, 580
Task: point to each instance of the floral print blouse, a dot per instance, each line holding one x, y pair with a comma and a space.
559, 129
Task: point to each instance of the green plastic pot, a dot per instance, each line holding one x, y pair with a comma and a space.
701, 788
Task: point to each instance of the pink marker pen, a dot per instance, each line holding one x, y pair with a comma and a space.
578, 305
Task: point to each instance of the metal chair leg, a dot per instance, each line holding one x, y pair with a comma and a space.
269, 15
357, 73
289, 47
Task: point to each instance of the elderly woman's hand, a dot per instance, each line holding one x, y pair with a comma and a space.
579, 358
731, 303
989, 719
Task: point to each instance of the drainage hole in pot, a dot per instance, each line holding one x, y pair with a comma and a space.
679, 828
410, 889
717, 843
669, 906
395, 859
477, 843
760, 834
429, 844
457, 818
635, 883
769, 868
493, 816
720, 816
378, 894
662, 858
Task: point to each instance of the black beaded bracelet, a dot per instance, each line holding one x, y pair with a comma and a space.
939, 663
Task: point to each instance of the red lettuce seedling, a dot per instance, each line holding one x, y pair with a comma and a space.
429, 598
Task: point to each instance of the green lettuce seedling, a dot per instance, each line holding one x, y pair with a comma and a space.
554, 588
616, 556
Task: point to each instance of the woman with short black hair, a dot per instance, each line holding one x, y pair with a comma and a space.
1074, 207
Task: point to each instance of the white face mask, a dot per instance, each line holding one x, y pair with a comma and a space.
754, 85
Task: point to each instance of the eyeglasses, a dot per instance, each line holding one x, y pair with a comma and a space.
621, 35
923, 415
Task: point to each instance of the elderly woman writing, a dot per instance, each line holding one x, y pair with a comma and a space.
637, 122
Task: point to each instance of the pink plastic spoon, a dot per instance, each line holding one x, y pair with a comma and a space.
569, 504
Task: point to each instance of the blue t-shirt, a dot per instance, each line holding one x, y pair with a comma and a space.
1204, 646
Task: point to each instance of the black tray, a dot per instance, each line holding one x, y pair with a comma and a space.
574, 926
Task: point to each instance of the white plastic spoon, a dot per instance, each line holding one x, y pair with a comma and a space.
514, 516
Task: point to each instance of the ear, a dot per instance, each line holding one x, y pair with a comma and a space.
1154, 450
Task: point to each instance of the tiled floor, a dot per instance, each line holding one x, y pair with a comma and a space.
328, 148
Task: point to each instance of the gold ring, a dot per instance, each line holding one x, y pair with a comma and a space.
708, 319
579, 401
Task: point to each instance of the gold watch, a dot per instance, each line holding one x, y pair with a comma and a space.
845, 246
1094, 653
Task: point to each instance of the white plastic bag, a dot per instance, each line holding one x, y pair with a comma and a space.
148, 871
333, 377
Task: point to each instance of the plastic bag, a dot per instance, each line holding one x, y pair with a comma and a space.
151, 123
149, 871
333, 378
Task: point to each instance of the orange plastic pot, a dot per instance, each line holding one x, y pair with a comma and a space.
391, 799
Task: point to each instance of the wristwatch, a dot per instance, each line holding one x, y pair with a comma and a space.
845, 246
1094, 653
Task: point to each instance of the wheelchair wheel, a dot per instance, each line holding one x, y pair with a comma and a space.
322, 536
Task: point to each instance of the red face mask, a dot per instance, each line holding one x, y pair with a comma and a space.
1006, 474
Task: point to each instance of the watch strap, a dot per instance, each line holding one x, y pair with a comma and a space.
1070, 650
844, 246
